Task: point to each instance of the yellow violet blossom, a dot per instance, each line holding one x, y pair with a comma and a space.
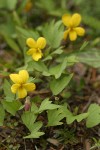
36, 47
72, 23
28, 6
21, 86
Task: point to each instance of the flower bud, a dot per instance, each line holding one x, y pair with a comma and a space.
27, 104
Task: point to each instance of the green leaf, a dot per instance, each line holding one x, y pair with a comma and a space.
57, 85
26, 33
91, 21
70, 118
39, 66
94, 116
47, 5
54, 117
12, 43
2, 115
2, 3
71, 60
49, 55
90, 57
8, 33
59, 50
28, 119
58, 70
53, 32
11, 107
7, 91
34, 108
46, 105
11, 4
35, 133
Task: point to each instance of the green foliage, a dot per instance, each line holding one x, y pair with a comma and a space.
66, 136
92, 22
58, 70
27, 33
93, 116
96, 145
34, 108
54, 70
90, 57
38, 66
35, 131
2, 115
55, 116
28, 119
7, 91
53, 32
91, 7
11, 107
57, 85
7, 33
47, 5
46, 105
52, 8
8, 4
70, 118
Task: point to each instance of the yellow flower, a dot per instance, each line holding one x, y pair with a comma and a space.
36, 47
72, 23
20, 86
28, 6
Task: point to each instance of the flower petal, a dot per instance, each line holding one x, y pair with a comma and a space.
15, 87
23, 75
66, 20
31, 42
80, 31
66, 34
37, 56
72, 35
76, 19
30, 86
22, 92
15, 78
31, 51
41, 43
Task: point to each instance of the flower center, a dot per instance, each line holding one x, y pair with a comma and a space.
21, 85
37, 50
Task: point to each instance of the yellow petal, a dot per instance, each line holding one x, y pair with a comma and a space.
30, 86
41, 43
66, 20
37, 56
31, 51
22, 92
31, 42
28, 6
24, 76
76, 19
66, 34
80, 31
72, 35
15, 78
15, 87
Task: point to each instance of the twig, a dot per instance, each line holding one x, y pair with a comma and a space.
87, 144
90, 100
25, 144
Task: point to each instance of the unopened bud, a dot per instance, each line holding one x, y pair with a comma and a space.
27, 104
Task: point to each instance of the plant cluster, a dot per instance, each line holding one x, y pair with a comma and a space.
47, 66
